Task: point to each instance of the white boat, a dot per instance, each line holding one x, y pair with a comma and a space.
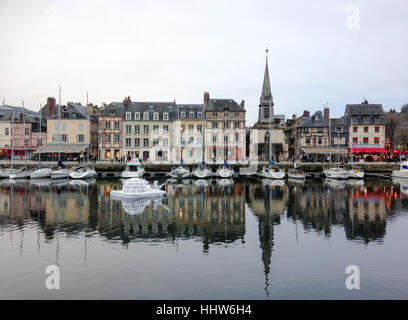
136, 188
356, 173
21, 173
402, 172
133, 169
180, 172
296, 174
60, 173
40, 173
5, 173
403, 184
82, 172
270, 172
202, 171
336, 173
225, 171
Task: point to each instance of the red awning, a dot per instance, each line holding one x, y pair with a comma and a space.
399, 151
369, 150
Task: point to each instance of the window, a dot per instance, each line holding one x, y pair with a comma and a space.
64, 138
165, 142
355, 118
145, 142
137, 115
319, 140
377, 119
237, 115
226, 125
236, 125
128, 129
355, 129
182, 141
26, 142
7, 131
128, 116
128, 142
146, 116
266, 113
117, 138
56, 126
214, 125
80, 126
107, 125
40, 142
156, 129
320, 130
80, 138
355, 140
145, 129
64, 126
107, 138
214, 138
365, 129
191, 115
191, 140
113, 113
137, 143
365, 140
155, 116
117, 124
366, 118
190, 127
182, 127
165, 116
137, 129
377, 129
339, 129
215, 114
107, 153
182, 114
199, 115
226, 139
199, 128
317, 118
236, 137
165, 129
307, 140
155, 142
376, 140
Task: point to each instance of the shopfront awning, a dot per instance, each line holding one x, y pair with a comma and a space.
369, 150
399, 151
63, 148
324, 150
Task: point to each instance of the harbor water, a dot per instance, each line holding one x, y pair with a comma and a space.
207, 239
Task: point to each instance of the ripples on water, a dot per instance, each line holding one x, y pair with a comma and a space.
238, 226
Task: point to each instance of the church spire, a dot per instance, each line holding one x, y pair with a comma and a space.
266, 96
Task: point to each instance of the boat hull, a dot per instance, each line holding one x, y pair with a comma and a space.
225, 173
399, 174
336, 174
132, 174
88, 174
40, 174
60, 174
273, 175
299, 176
356, 175
202, 174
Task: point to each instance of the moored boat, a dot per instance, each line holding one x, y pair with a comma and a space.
180, 172
225, 171
402, 172
21, 173
336, 173
296, 174
133, 169
82, 172
271, 172
202, 171
136, 188
40, 173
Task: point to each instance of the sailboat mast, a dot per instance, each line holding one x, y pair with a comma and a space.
330, 159
202, 129
352, 145
24, 131
270, 131
12, 139
38, 140
59, 123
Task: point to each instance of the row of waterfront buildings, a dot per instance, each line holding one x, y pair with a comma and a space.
168, 132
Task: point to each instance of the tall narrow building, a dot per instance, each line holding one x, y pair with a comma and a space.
267, 140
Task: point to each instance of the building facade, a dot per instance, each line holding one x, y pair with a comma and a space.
225, 130
110, 132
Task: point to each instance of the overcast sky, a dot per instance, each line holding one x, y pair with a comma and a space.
166, 50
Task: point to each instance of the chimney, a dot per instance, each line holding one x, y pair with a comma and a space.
206, 98
306, 113
326, 112
50, 107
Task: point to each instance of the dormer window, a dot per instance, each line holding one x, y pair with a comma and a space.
128, 116
165, 116
113, 113
191, 115
317, 118
146, 116
199, 115
137, 115
156, 116
182, 114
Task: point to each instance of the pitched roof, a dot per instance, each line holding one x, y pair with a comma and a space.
364, 109
223, 105
310, 121
266, 94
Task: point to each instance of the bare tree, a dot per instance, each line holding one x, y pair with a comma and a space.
392, 124
401, 136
